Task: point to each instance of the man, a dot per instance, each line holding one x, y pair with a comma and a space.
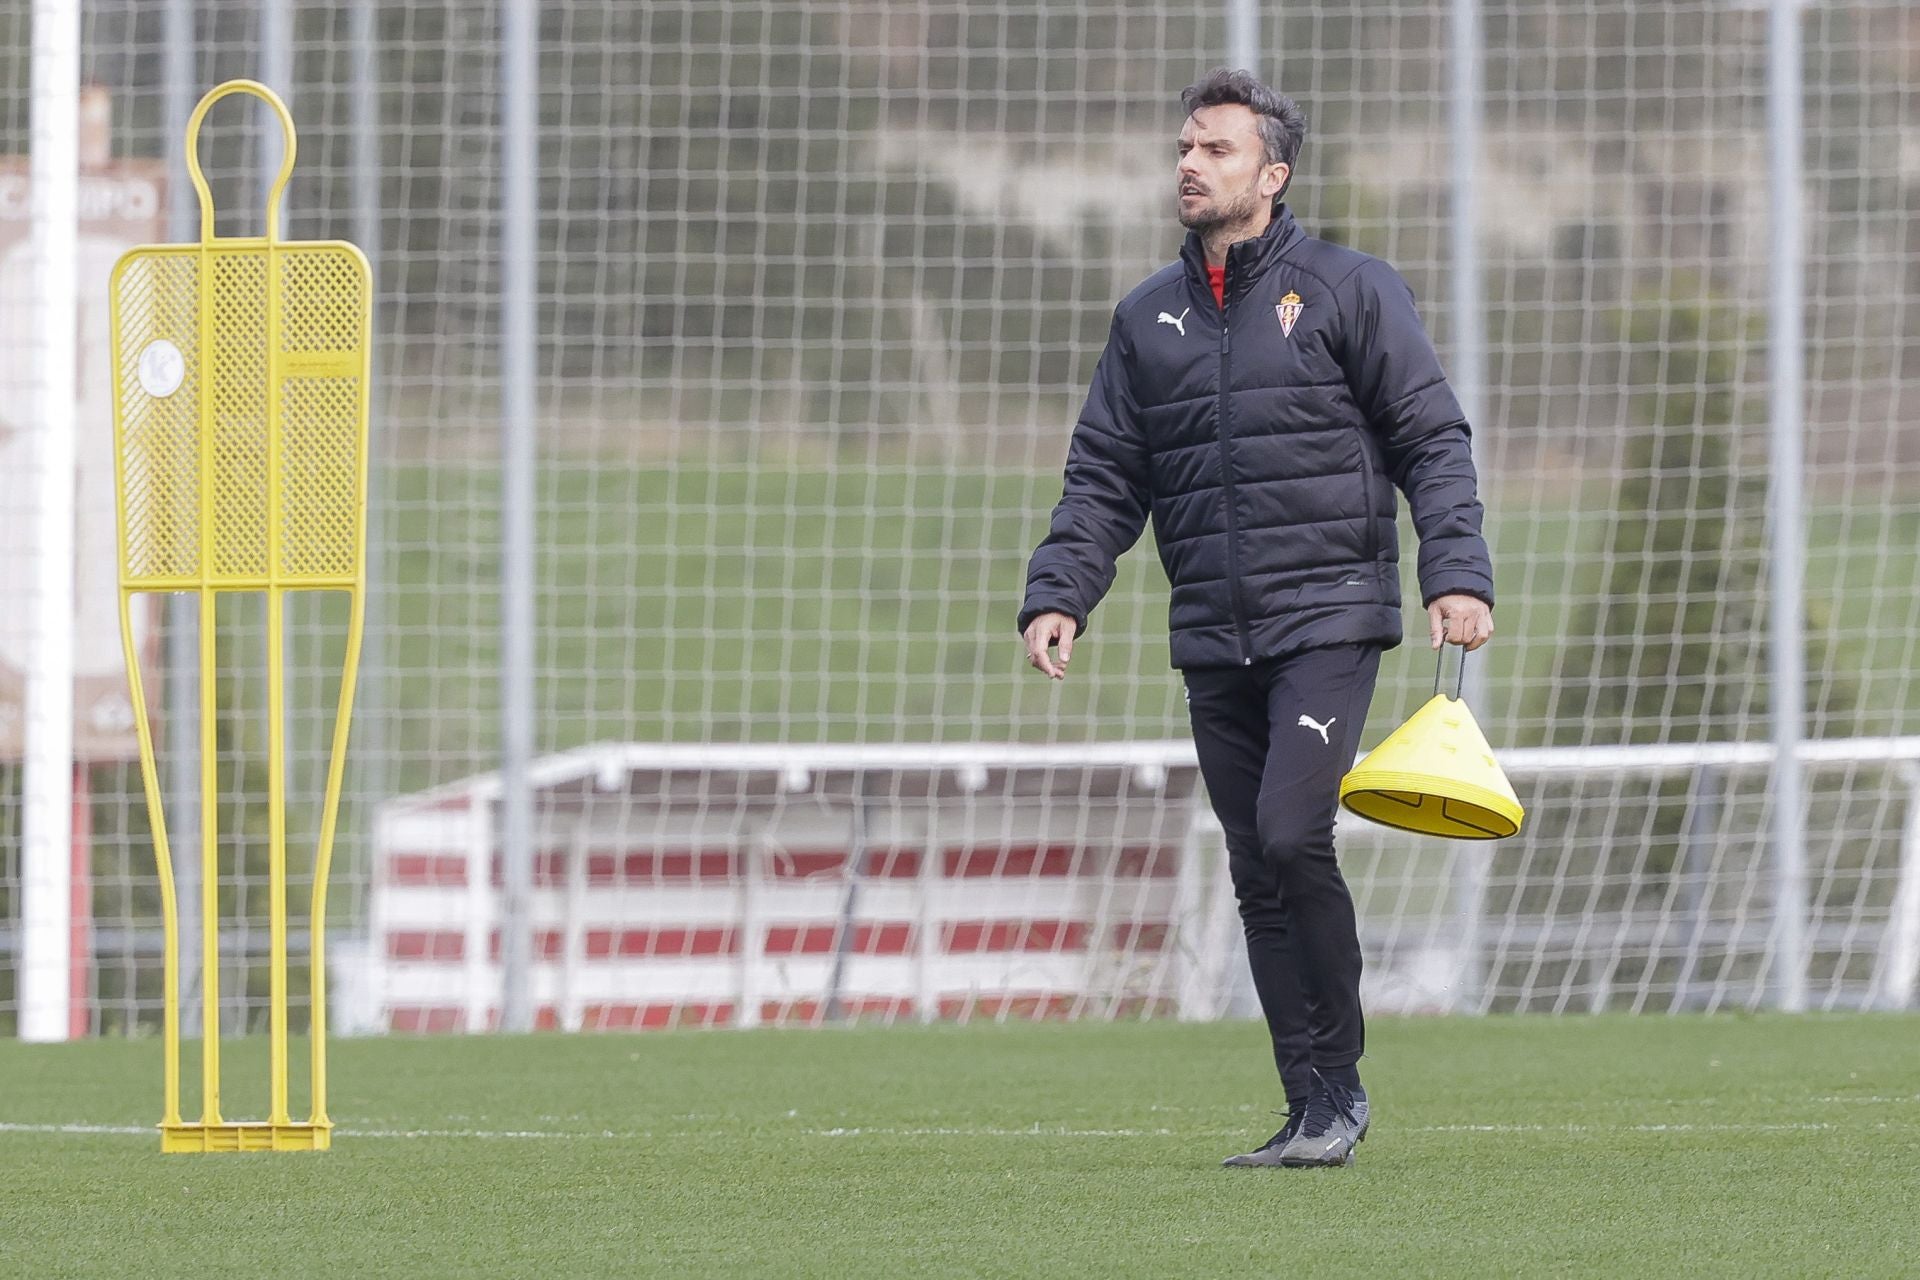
1261, 399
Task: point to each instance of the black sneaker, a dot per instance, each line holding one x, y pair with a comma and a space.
1268, 1156
1335, 1122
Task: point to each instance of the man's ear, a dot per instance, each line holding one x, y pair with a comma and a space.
1274, 178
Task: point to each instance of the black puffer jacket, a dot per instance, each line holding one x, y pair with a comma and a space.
1267, 443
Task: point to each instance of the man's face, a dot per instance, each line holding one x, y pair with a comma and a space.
1222, 180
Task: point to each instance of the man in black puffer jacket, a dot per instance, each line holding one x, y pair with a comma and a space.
1262, 399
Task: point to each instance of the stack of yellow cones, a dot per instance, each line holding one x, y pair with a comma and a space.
1435, 775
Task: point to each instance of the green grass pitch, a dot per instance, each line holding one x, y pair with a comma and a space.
1611, 1145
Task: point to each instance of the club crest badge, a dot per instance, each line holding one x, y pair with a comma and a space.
1289, 309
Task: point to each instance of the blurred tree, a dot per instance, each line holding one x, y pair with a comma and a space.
1672, 645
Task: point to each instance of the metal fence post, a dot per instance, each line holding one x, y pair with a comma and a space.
1468, 376
183, 610
46, 863
1787, 655
519, 174
1243, 35
371, 770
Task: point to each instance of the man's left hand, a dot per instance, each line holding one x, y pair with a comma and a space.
1461, 620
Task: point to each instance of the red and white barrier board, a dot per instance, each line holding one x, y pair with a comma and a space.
743, 886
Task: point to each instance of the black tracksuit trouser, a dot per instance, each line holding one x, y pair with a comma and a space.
1274, 740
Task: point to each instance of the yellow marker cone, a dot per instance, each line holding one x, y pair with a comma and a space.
1435, 775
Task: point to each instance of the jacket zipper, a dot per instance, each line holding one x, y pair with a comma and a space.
1226, 482
1373, 519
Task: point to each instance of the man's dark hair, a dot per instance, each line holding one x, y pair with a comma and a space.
1283, 126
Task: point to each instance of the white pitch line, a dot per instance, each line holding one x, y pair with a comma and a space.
1204, 1134
1627, 1128
1034, 1131
493, 1135
1031, 1131
342, 1132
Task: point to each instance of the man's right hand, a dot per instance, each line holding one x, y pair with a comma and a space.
1043, 633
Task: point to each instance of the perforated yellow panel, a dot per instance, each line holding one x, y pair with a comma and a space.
237, 376
158, 296
320, 513
281, 407
323, 304
321, 285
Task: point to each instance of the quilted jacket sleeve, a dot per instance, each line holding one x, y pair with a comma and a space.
1423, 435
1105, 501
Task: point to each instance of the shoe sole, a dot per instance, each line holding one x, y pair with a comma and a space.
1318, 1164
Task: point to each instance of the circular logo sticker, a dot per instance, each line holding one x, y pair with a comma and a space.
162, 369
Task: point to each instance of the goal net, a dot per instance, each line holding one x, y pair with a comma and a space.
820, 286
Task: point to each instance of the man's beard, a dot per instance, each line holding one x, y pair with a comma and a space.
1223, 213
